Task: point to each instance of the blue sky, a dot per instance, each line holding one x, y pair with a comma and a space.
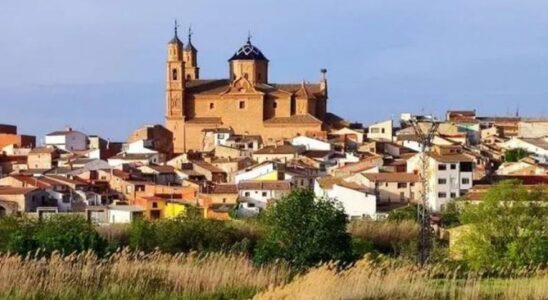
98, 65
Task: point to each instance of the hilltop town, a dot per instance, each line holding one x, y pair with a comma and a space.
233, 146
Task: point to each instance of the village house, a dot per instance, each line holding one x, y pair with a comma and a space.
67, 139
390, 187
382, 131
9, 136
353, 197
16, 200
43, 158
255, 196
311, 144
282, 153
449, 174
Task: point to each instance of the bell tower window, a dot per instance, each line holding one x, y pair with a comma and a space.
174, 74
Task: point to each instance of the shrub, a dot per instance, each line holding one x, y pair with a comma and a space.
190, 232
408, 212
65, 233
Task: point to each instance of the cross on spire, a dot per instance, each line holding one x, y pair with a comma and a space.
249, 36
190, 33
176, 27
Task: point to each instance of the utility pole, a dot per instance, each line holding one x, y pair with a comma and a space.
425, 135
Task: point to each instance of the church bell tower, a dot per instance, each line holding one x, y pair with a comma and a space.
175, 91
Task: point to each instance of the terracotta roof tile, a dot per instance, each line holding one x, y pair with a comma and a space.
278, 185
283, 149
295, 119
392, 177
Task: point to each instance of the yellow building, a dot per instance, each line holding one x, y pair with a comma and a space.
246, 101
174, 209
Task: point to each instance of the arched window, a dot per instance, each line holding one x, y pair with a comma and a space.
174, 74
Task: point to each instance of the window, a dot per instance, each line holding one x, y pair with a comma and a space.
442, 181
242, 104
264, 194
382, 130
466, 181
154, 204
211, 105
386, 184
174, 74
275, 104
453, 166
453, 195
412, 184
442, 195
224, 200
442, 167
402, 185
466, 167
374, 130
402, 196
246, 194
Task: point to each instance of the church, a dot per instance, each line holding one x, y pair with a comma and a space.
245, 102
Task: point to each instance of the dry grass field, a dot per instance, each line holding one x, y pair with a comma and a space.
127, 275
395, 280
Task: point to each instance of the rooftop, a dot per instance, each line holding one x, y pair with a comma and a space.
278, 185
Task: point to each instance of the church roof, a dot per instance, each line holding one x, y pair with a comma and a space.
248, 52
217, 86
176, 40
295, 119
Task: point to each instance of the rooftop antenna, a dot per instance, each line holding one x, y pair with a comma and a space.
249, 36
426, 137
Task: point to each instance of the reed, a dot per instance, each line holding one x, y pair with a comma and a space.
130, 275
393, 279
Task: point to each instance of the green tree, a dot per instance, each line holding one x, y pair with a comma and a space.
509, 227
515, 154
450, 215
303, 231
408, 212
68, 233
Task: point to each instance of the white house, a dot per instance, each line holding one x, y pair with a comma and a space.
311, 143
257, 194
449, 174
381, 131
354, 198
267, 168
123, 214
67, 139
130, 158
